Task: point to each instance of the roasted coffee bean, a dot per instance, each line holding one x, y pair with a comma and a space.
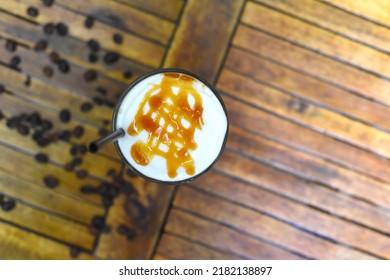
127, 74
86, 107
41, 158
15, 61
98, 222
106, 201
27, 82
43, 141
83, 149
74, 150
110, 57
63, 65
62, 29
37, 134
49, 28
118, 39
65, 115
65, 135
93, 45
48, 3
40, 46
34, 119
74, 251
127, 188
23, 129
106, 229
50, 181
98, 100
129, 233
122, 229
54, 57
93, 58
89, 189
78, 131
11, 45
47, 125
81, 173
103, 188
101, 90
76, 161
90, 75
89, 21
103, 132
68, 166
8, 205
48, 71
32, 11
111, 172
109, 103
2, 88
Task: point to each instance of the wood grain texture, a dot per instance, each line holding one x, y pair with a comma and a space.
201, 39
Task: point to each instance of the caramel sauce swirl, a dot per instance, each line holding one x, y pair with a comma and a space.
170, 121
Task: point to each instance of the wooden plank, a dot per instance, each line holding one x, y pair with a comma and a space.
377, 11
168, 10
304, 86
336, 20
224, 239
261, 226
123, 17
144, 212
296, 214
18, 244
305, 113
50, 225
313, 64
47, 199
74, 50
315, 170
182, 249
160, 257
317, 39
199, 51
133, 47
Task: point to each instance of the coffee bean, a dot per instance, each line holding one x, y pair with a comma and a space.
63, 65
89, 189
93, 45
111, 172
65, 135
110, 57
68, 166
103, 132
76, 161
41, 158
81, 173
98, 100
93, 58
54, 57
23, 129
90, 75
34, 119
10, 45
122, 230
103, 188
86, 107
98, 222
101, 90
2, 88
40, 46
50, 181
78, 131
43, 141
109, 103
32, 11
74, 150
49, 28
15, 60
127, 74
47, 125
8, 205
65, 115
62, 29
48, 3
74, 251
118, 39
83, 149
27, 82
129, 233
105, 229
89, 21
37, 134
48, 71
127, 188
106, 201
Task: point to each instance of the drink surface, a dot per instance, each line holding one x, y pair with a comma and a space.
175, 126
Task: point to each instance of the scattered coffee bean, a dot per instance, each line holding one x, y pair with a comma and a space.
48, 3
74, 251
68, 166
65, 135
27, 82
49, 28
110, 57
76, 161
89, 21
78, 131
127, 74
93, 45
43, 141
40, 46
101, 90
48, 71
129, 233
74, 150
98, 222
12, 122
118, 39
106, 201
62, 29
65, 115
15, 60
103, 132
81, 173
2, 88
86, 107
111, 172
10, 45
63, 65
47, 125
34, 119
103, 188
8, 205
32, 11
83, 149
37, 134
41, 158
89, 189
106, 229
93, 58
127, 188
23, 129
90, 75
98, 100
54, 57
109, 103
50, 181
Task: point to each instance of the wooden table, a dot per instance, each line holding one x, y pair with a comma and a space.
306, 170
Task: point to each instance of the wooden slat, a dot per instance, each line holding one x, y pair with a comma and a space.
377, 11
224, 238
74, 50
317, 39
271, 73
160, 257
336, 20
304, 139
181, 249
313, 64
124, 17
169, 10
202, 50
47, 199
50, 225
18, 244
297, 214
305, 113
133, 47
262, 226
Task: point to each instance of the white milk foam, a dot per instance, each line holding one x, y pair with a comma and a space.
209, 139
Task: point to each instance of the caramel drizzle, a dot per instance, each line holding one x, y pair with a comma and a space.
163, 122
